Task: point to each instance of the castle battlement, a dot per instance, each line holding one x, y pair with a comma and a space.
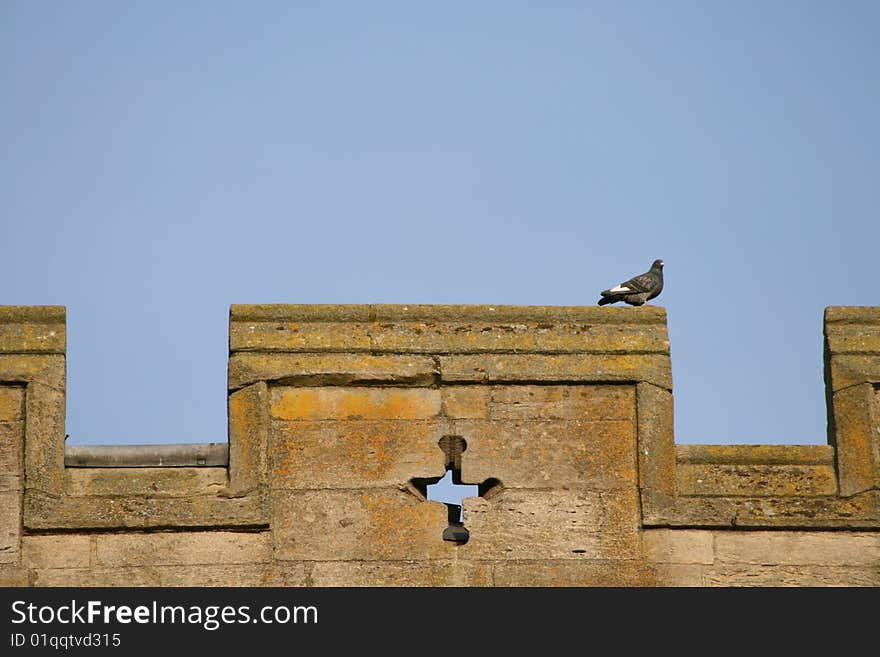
340, 416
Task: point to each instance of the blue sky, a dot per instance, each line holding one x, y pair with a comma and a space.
163, 160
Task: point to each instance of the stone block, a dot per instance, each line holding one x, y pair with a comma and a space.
193, 575
11, 461
32, 329
248, 439
299, 336
791, 576
356, 403
799, 548
752, 480
44, 444
57, 551
683, 546
182, 548
13, 575
43, 511
755, 470
10, 527
482, 336
439, 313
557, 368
374, 524
820, 512
325, 369
549, 453
552, 524
32, 338
857, 437
656, 448
434, 573
468, 402
550, 402
48, 369
584, 572
152, 482
11, 403
680, 574
355, 453
848, 370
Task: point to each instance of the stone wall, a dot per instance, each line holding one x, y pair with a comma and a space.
340, 416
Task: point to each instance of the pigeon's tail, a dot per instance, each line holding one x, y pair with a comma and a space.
606, 300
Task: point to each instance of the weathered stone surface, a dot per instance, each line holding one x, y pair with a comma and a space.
771, 575
852, 329
853, 369
552, 524
525, 337
287, 573
248, 312
549, 402
43, 511
852, 315
248, 439
583, 572
32, 338
12, 575
167, 576
402, 573
798, 548
330, 369
11, 403
686, 546
10, 527
521, 368
755, 454
32, 329
385, 313
296, 336
182, 547
468, 402
153, 482
857, 439
33, 315
29, 368
656, 450
771, 512
366, 403
355, 453
11, 437
549, 453
58, 551
44, 445
680, 574
375, 524
746, 480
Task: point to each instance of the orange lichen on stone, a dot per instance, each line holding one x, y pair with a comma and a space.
355, 403
11, 403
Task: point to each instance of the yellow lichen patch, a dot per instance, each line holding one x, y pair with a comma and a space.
353, 454
396, 525
11, 401
355, 403
371, 454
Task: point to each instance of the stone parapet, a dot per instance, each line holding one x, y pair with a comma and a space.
341, 417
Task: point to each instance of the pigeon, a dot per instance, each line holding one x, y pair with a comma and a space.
637, 290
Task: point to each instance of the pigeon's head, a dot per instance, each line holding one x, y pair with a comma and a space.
658, 264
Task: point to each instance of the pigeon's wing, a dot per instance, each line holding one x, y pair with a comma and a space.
642, 283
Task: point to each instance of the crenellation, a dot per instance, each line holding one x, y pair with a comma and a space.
340, 416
